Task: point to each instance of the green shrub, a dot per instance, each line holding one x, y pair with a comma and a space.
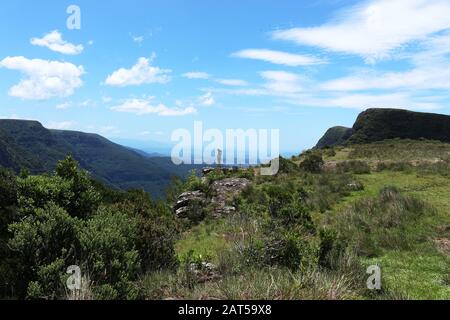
85, 198
60, 225
8, 215
156, 230
109, 253
45, 243
281, 247
313, 163
287, 166
331, 249
194, 182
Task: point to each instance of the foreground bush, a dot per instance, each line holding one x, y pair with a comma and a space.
313, 163
58, 221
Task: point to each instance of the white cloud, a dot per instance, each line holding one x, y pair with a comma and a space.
279, 57
55, 42
44, 79
421, 78
138, 39
142, 107
63, 125
282, 82
232, 82
141, 73
364, 101
207, 99
196, 75
375, 28
64, 105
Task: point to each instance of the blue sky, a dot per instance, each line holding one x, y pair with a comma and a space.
138, 70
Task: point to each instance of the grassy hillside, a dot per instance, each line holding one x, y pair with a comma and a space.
309, 232
395, 213
28, 145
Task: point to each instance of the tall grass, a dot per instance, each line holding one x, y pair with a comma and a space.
373, 224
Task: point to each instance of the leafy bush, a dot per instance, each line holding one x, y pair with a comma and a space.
43, 242
313, 163
56, 221
8, 214
157, 230
194, 182
85, 198
109, 253
287, 166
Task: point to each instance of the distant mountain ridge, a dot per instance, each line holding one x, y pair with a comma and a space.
381, 124
28, 145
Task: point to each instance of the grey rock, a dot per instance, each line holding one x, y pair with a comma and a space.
185, 199
225, 191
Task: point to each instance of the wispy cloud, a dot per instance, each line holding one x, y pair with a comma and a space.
138, 39
44, 79
207, 99
375, 28
403, 100
63, 106
145, 106
430, 77
196, 75
282, 81
279, 57
141, 73
55, 42
232, 82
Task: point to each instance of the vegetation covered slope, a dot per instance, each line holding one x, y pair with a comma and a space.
303, 234
28, 145
308, 232
380, 124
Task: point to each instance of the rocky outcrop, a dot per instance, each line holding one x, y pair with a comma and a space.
187, 199
224, 191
